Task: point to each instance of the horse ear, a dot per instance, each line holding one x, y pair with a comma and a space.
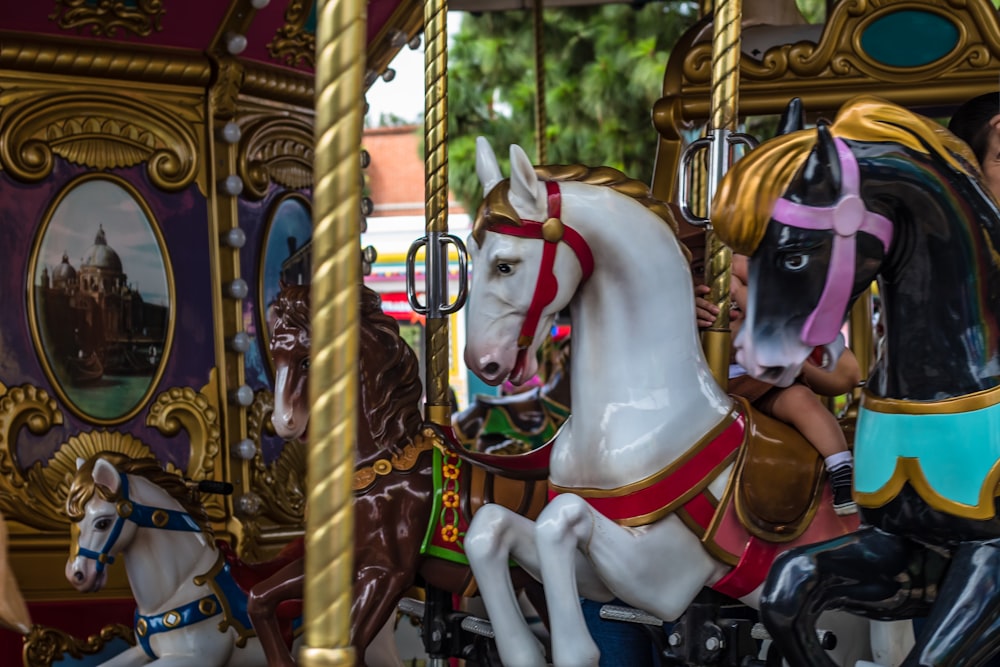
79, 462
106, 475
819, 182
794, 117
524, 180
487, 167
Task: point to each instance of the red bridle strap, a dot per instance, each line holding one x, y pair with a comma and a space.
552, 231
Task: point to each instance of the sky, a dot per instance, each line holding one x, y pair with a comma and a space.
404, 95
100, 203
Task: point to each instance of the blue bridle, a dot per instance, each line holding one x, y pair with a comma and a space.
143, 516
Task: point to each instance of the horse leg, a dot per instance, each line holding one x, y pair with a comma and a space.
659, 567
494, 536
963, 627
262, 605
376, 595
864, 573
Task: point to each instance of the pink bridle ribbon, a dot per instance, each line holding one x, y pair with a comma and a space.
845, 219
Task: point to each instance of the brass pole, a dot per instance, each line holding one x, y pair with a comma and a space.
540, 140
438, 409
718, 259
333, 379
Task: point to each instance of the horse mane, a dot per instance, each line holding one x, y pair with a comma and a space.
389, 375
496, 208
741, 214
83, 488
292, 306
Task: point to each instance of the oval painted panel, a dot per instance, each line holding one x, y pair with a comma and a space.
285, 256
909, 38
100, 299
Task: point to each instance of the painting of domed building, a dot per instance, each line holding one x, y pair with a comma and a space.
102, 321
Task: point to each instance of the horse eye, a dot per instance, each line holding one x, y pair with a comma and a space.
102, 524
795, 262
304, 364
504, 268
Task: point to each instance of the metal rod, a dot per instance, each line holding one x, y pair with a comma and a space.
438, 408
329, 568
540, 120
718, 258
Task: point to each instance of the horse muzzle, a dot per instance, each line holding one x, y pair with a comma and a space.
83, 575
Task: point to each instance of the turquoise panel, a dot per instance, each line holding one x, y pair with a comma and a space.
909, 38
310, 25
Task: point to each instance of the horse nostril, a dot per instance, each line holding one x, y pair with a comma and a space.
78, 575
491, 368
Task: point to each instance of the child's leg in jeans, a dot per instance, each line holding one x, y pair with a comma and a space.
799, 406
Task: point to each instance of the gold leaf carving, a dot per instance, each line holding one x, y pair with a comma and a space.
105, 17
101, 131
182, 408
36, 497
293, 44
23, 406
226, 89
280, 485
45, 645
276, 149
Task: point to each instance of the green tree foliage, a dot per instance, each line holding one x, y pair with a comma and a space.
604, 70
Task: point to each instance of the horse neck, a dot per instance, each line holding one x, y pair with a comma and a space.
940, 292
635, 343
161, 564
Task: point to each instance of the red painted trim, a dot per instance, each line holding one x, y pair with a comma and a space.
692, 474
701, 510
548, 285
750, 572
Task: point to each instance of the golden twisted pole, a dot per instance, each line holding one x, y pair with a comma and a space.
718, 258
438, 408
329, 567
539, 24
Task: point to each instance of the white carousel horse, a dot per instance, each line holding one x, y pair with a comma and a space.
644, 402
190, 611
13, 612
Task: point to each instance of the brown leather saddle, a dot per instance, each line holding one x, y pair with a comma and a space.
779, 478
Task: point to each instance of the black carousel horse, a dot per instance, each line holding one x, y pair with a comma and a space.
883, 193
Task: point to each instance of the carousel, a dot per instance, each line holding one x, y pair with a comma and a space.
216, 448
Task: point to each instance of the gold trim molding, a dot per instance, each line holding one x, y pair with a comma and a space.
36, 496
100, 131
279, 85
292, 44
106, 61
105, 17
826, 74
183, 408
280, 485
276, 149
45, 645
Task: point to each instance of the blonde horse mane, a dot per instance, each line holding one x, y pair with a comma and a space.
496, 207
83, 488
743, 204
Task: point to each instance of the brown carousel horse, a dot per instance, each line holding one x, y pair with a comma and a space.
412, 499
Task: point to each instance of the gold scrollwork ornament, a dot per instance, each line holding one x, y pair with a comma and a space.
105, 17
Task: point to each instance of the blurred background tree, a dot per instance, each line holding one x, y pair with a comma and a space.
603, 71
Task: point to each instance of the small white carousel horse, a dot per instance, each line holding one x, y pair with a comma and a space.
644, 498
190, 609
